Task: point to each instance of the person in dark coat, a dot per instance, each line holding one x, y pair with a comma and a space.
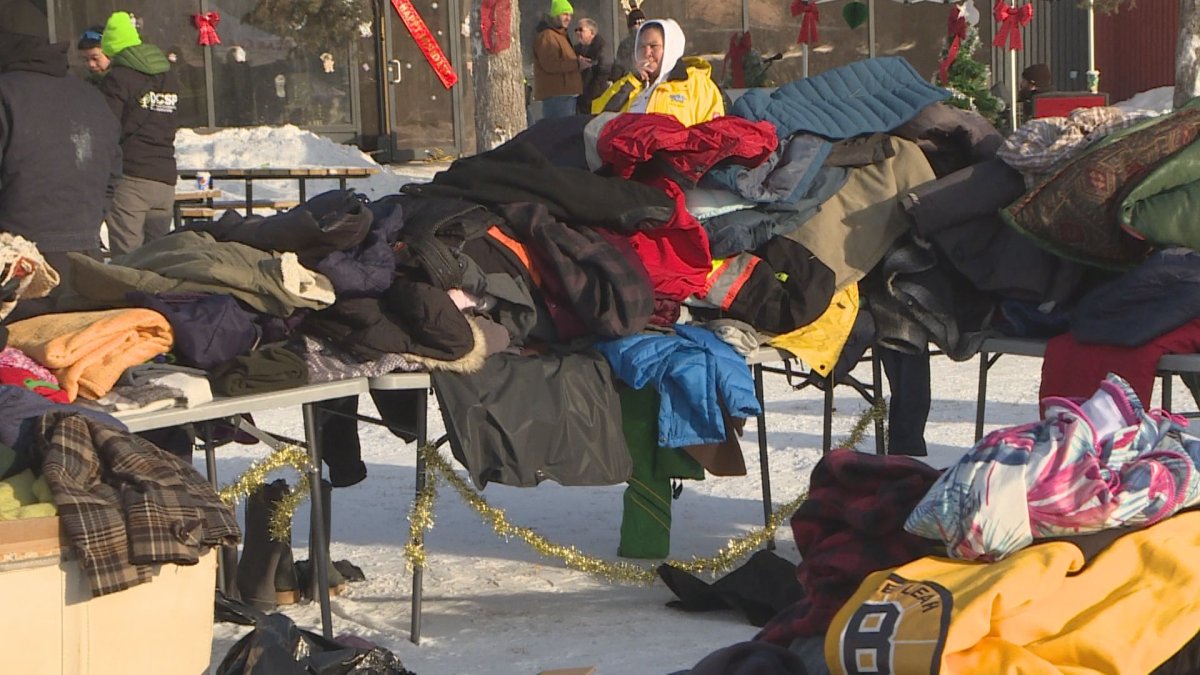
143, 92
58, 148
623, 64
596, 76
1035, 79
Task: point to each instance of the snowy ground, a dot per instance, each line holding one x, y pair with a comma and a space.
495, 607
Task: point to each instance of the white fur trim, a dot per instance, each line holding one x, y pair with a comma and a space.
303, 282
470, 362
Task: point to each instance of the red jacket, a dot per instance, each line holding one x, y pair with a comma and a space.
676, 254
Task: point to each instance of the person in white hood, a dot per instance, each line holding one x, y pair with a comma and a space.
663, 80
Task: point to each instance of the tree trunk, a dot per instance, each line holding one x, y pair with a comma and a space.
1187, 54
499, 84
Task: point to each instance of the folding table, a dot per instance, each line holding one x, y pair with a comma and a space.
233, 406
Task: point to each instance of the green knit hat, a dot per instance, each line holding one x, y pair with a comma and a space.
558, 7
120, 33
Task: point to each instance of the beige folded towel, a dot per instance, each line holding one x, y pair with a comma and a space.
88, 351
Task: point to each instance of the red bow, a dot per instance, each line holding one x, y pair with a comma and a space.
739, 47
207, 24
956, 32
808, 25
1011, 20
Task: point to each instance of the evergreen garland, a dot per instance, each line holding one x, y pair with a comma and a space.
970, 80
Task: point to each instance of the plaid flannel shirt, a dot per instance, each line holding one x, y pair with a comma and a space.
126, 504
851, 525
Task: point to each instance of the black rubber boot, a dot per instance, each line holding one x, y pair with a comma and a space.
287, 581
261, 556
304, 568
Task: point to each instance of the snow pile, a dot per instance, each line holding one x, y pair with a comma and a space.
288, 147
1150, 103
254, 147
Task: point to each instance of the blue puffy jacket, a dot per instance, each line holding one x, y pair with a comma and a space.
690, 370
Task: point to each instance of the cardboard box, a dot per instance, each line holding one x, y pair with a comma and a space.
51, 624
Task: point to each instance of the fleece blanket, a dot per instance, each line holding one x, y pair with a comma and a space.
88, 351
1073, 213
864, 97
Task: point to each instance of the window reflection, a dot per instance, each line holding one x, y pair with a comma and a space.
266, 72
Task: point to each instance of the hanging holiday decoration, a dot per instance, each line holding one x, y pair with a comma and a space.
495, 19
733, 65
956, 32
327, 63
968, 80
1009, 21
809, 16
855, 14
206, 23
425, 42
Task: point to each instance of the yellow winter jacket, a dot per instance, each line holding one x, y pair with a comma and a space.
688, 94
1037, 612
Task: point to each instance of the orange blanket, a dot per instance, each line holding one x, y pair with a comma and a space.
88, 351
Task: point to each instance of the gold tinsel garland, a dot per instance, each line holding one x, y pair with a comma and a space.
256, 475
858, 430
421, 518
420, 521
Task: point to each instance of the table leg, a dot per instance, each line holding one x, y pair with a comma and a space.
228, 559
827, 415
414, 633
249, 196
877, 401
763, 460
318, 546
342, 183
985, 364
303, 189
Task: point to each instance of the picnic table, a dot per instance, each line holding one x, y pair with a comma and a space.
194, 204
299, 174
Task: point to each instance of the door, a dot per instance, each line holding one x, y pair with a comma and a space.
424, 118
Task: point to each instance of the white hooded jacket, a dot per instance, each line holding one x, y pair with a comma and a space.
674, 44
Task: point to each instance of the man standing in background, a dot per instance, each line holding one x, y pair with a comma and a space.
556, 66
596, 77
58, 149
143, 93
624, 61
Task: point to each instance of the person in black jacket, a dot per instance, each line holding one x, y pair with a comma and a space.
595, 77
143, 92
57, 155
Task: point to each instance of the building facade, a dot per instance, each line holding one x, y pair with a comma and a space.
350, 70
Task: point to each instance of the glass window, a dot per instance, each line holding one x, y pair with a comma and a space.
281, 62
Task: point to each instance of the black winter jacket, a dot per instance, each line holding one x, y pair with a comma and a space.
57, 148
143, 92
